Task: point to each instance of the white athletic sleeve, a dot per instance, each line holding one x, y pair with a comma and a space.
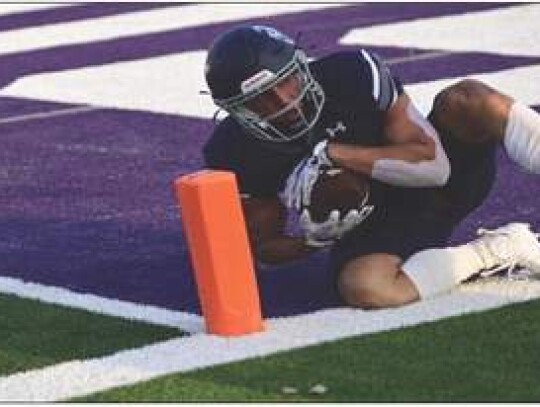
427, 173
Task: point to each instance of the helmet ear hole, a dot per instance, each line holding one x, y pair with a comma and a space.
248, 60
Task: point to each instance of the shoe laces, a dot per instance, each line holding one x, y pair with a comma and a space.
513, 271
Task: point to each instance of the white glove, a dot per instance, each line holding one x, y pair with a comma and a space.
299, 184
327, 232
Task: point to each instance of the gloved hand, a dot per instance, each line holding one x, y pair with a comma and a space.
327, 232
297, 191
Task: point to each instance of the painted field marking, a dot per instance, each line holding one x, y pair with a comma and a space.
150, 85
509, 31
153, 85
14, 8
128, 85
189, 323
82, 377
49, 114
155, 93
143, 23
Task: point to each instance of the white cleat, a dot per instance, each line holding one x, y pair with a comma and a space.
509, 247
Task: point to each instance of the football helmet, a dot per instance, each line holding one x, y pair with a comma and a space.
247, 63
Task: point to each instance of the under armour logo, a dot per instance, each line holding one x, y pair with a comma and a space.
339, 128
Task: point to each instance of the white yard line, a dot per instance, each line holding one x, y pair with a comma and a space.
508, 31
15, 8
143, 23
190, 323
81, 86
49, 114
81, 377
127, 85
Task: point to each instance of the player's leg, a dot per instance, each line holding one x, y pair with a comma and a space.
473, 112
368, 260
399, 254
400, 258
435, 271
372, 273
384, 280
376, 281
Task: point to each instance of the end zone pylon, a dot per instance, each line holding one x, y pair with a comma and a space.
221, 256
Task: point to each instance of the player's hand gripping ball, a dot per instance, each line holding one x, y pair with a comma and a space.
337, 189
337, 204
331, 201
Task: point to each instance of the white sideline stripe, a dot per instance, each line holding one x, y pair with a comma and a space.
142, 23
6, 9
184, 321
509, 31
82, 377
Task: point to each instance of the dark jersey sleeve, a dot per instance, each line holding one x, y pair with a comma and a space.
359, 89
385, 88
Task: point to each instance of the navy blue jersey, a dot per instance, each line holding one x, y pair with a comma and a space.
359, 88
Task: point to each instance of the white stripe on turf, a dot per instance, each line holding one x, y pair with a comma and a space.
49, 114
15, 8
508, 31
78, 378
127, 85
142, 23
190, 323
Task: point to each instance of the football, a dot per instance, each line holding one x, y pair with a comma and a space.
337, 188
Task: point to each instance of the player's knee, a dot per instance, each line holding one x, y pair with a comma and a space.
469, 110
366, 282
457, 100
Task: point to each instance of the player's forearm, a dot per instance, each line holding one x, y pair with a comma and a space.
415, 164
362, 159
282, 249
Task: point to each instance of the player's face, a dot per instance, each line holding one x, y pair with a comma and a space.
279, 104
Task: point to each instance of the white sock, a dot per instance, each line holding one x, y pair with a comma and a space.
435, 271
522, 137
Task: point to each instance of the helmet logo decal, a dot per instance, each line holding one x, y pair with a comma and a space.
257, 81
272, 32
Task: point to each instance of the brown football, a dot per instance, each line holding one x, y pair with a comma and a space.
337, 188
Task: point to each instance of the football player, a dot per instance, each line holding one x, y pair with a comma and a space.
289, 116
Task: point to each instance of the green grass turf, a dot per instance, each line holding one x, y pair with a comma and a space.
492, 356
34, 334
